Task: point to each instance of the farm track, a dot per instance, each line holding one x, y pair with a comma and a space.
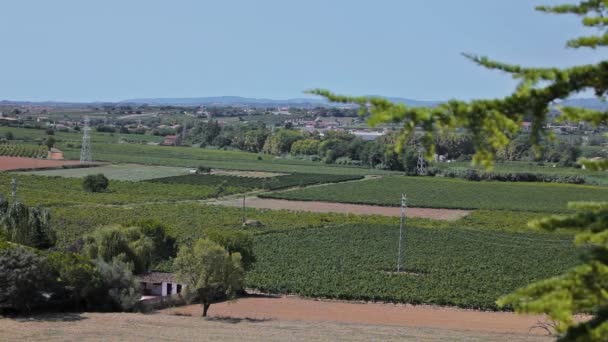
330, 207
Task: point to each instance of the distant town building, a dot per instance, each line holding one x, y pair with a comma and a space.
172, 140
367, 135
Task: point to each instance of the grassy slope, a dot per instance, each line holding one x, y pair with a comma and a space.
452, 193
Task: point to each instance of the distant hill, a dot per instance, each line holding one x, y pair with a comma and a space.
585, 103
246, 101
591, 103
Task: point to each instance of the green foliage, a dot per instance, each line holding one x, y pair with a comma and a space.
24, 279
205, 132
95, 183
137, 246
281, 141
234, 241
305, 146
468, 268
30, 226
50, 142
120, 285
203, 170
78, 278
479, 175
240, 184
209, 272
450, 193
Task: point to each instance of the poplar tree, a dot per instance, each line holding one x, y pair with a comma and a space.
493, 123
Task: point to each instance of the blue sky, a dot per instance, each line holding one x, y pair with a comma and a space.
117, 49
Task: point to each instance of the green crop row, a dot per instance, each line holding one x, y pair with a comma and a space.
21, 150
249, 183
451, 193
459, 267
59, 191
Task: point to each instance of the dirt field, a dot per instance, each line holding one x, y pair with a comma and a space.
19, 163
327, 207
162, 327
297, 309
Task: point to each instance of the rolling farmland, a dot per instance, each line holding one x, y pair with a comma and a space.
451, 193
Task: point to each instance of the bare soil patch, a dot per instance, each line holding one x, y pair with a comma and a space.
290, 308
329, 207
21, 163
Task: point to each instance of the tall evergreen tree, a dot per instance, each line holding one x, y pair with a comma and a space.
492, 123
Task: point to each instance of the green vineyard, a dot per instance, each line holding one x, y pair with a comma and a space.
21, 150
452, 266
249, 183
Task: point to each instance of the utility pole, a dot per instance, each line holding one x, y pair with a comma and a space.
244, 210
401, 227
85, 150
421, 164
14, 189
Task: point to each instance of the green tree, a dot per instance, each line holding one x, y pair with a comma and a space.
78, 276
281, 141
24, 279
95, 183
30, 226
209, 272
234, 241
120, 285
9, 135
128, 244
492, 124
50, 142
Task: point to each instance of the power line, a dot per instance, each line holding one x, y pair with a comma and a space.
401, 226
85, 150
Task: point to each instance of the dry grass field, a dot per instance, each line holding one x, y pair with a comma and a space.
164, 327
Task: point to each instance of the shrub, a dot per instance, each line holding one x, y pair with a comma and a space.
203, 170
95, 183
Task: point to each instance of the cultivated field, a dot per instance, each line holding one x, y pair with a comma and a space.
436, 192
22, 163
218, 159
121, 172
328, 207
250, 183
